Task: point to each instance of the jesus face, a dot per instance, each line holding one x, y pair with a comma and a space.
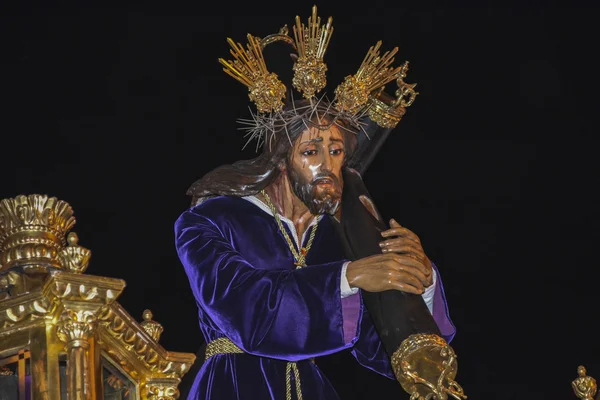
315, 169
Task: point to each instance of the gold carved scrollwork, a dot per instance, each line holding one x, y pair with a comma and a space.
30, 309
162, 391
76, 327
425, 365
78, 287
584, 386
128, 332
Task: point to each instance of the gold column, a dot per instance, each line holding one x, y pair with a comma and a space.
45, 374
96, 368
75, 329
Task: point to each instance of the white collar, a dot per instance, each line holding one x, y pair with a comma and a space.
257, 202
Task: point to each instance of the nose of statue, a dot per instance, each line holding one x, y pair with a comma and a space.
325, 162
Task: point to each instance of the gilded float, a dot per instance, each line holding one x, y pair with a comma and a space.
62, 332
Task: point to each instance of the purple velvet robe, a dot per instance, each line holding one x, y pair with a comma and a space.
247, 288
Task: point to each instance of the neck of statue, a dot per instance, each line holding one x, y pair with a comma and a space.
288, 204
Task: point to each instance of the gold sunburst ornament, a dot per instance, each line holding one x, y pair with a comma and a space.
311, 43
374, 73
264, 87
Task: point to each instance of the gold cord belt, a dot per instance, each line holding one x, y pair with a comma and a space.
226, 346
221, 346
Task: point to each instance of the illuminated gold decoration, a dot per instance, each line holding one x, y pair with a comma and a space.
248, 67
311, 43
425, 365
52, 310
135, 350
386, 111
153, 328
76, 327
374, 72
584, 386
163, 389
25, 310
359, 95
32, 230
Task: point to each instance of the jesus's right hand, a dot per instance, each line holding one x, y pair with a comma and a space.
390, 271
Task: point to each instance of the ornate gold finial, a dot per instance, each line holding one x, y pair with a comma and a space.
248, 67
32, 230
374, 73
74, 258
405, 94
311, 44
153, 328
425, 365
584, 386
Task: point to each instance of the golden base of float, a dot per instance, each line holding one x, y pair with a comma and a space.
62, 332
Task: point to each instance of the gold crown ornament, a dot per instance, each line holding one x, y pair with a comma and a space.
33, 233
358, 95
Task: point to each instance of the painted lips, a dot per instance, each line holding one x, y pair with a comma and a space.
324, 181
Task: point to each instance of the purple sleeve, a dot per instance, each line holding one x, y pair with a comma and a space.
285, 314
440, 310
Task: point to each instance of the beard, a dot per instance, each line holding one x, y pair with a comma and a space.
319, 199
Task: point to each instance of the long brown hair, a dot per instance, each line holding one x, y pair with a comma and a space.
248, 177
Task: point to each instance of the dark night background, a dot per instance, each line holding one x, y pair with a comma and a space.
118, 110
